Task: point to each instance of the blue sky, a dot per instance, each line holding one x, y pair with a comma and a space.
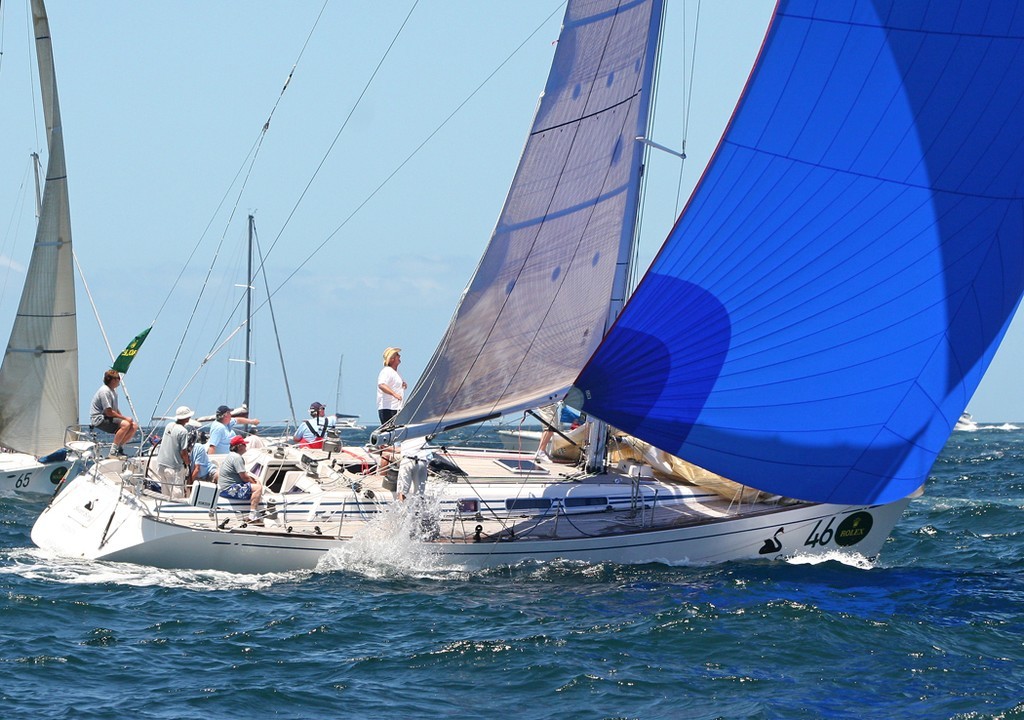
163, 102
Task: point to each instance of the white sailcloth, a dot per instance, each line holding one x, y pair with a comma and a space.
39, 374
539, 300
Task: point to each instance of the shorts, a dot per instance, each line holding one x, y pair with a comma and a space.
109, 425
386, 415
238, 491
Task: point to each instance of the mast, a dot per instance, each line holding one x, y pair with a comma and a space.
39, 192
337, 392
597, 438
248, 316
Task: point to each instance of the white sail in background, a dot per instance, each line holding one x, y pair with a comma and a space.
39, 375
539, 301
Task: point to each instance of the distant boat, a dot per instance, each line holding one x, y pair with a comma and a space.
39, 374
810, 327
347, 422
966, 422
342, 420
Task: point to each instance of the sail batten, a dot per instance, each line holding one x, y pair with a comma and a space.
844, 272
539, 301
39, 374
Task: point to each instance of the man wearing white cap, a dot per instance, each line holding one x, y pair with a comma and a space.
173, 456
390, 386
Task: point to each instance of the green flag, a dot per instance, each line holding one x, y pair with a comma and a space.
125, 358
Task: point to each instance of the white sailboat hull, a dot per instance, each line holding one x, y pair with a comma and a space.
726, 540
96, 517
23, 474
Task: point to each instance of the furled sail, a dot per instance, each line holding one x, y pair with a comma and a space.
39, 374
839, 282
539, 301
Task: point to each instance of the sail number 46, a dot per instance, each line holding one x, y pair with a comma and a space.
821, 538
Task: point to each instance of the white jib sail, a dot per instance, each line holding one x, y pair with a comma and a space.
39, 374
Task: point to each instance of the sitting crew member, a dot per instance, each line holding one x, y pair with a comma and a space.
173, 458
203, 468
310, 433
235, 482
105, 416
222, 429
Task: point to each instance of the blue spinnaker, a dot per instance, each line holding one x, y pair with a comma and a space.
845, 270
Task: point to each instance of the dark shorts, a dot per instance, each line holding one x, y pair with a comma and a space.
109, 425
386, 415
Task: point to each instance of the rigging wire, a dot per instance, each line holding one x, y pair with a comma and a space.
320, 166
687, 94
686, 69
102, 329
337, 136
13, 229
261, 269
217, 347
380, 186
3, 23
36, 92
411, 155
273, 320
247, 167
31, 43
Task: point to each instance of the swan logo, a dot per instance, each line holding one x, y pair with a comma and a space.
854, 529
58, 474
772, 544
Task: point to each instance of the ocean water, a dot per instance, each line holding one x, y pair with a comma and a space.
934, 630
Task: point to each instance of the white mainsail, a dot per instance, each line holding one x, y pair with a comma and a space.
39, 374
539, 301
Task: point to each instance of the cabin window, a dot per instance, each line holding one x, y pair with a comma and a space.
528, 504
467, 506
584, 501
521, 466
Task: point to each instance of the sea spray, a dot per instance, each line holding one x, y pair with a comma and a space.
394, 542
43, 565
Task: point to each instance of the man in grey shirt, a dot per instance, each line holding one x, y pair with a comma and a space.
104, 415
234, 481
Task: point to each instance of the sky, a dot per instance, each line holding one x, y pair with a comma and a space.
374, 188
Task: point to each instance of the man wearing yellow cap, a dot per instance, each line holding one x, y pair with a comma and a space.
390, 386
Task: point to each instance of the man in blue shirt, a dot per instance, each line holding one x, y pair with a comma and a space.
223, 429
199, 460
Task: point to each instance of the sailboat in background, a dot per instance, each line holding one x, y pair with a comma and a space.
39, 374
341, 420
812, 327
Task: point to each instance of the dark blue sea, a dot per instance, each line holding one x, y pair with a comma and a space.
934, 630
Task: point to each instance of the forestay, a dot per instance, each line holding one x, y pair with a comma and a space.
539, 301
39, 375
841, 278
